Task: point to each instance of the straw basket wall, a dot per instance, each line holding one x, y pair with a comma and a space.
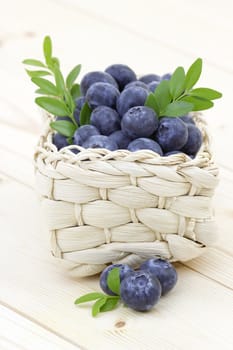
104, 207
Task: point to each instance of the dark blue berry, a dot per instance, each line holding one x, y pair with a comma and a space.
140, 121
194, 141
79, 102
121, 139
140, 291
166, 76
96, 77
122, 74
105, 119
137, 83
171, 153
100, 141
102, 94
83, 133
153, 85
187, 119
148, 78
144, 143
163, 271
60, 141
124, 271
133, 96
172, 134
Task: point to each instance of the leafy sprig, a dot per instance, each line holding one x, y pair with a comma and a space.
104, 302
176, 97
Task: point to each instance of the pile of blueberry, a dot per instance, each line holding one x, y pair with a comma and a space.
120, 120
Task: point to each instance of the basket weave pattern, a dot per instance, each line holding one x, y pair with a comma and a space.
105, 207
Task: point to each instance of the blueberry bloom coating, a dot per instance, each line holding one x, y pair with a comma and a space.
102, 94
163, 271
96, 77
140, 121
194, 141
133, 96
153, 85
59, 141
105, 119
124, 270
137, 83
121, 139
166, 76
100, 141
140, 291
148, 78
172, 134
187, 119
122, 74
83, 133
144, 143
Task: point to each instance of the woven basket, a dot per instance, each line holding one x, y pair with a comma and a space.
106, 207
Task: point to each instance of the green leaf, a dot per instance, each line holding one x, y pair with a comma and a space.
55, 62
193, 74
113, 280
177, 82
110, 304
177, 108
97, 306
72, 76
37, 73
47, 48
60, 83
199, 104
85, 114
64, 127
151, 102
53, 105
207, 93
75, 91
40, 91
32, 62
46, 86
162, 95
69, 101
88, 297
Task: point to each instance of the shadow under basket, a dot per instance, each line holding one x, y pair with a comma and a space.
104, 207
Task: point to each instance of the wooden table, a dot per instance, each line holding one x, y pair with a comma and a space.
36, 296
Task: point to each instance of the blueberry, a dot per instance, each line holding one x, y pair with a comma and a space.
79, 102
153, 85
102, 94
194, 141
148, 78
172, 134
121, 139
163, 270
133, 96
166, 76
187, 119
60, 141
122, 74
171, 153
96, 77
140, 291
83, 133
105, 119
137, 83
100, 141
140, 121
124, 270
144, 143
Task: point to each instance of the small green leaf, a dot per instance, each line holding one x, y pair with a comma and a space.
35, 63
53, 105
72, 76
113, 280
64, 127
151, 102
75, 91
85, 114
55, 62
60, 83
46, 86
110, 304
177, 108
41, 92
177, 82
162, 95
97, 306
37, 73
193, 74
207, 93
69, 101
199, 104
47, 48
88, 297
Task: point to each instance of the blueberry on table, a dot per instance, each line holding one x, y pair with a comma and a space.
194, 141
187, 119
145, 143
124, 271
137, 83
148, 78
121, 139
105, 119
100, 141
172, 134
96, 77
122, 74
102, 94
140, 291
83, 133
140, 121
131, 97
166, 76
163, 271
153, 85
60, 141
